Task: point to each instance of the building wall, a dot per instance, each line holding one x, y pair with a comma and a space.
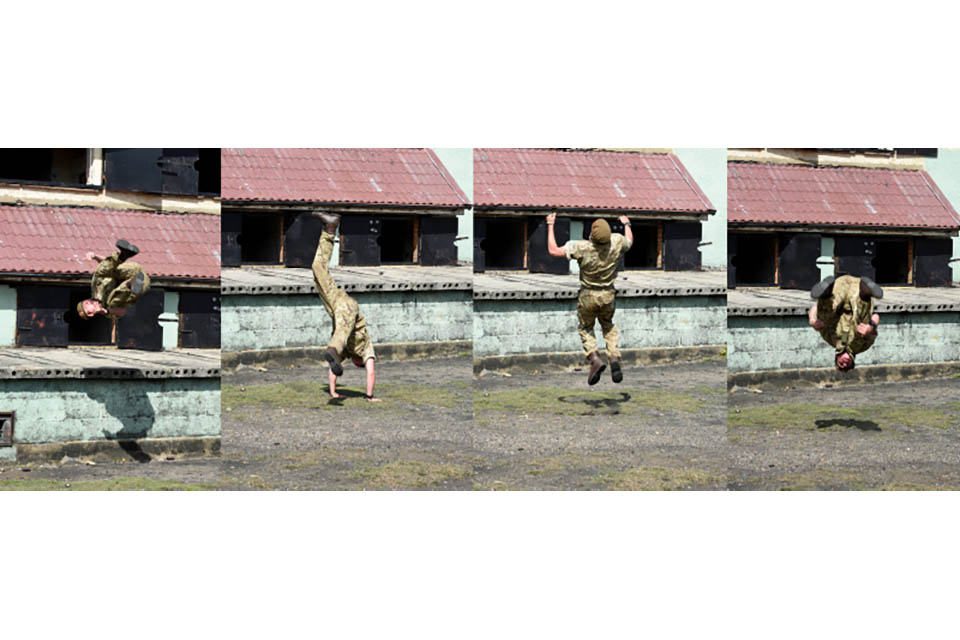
61, 410
8, 316
709, 168
550, 326
459, 162
759, 343
945, 171
275, 322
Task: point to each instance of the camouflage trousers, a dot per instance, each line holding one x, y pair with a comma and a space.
350, 337
841, 313
598, 305
112, 282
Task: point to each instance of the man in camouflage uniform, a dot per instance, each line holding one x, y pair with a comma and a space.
350, 338
844, 317
598, 258
116, 283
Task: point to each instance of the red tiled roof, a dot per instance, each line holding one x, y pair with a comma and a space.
836, 196
349, 176
557, 179
52, 240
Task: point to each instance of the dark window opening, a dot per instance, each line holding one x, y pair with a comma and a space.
49, 166
396, 240
95, 331
756, 259
208, 166
260, 238
199, 319
892, 262
504, 244
645, 252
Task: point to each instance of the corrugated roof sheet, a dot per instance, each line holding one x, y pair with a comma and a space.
53, 240
350, 176
557, 179
832, 196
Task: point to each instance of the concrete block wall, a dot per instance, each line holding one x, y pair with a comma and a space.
254, 322
758, 343
505, 327
60, 410
8, 316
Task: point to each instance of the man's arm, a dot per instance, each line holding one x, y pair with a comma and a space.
92, 256
627, 230
552, 247
867, 329
815, 322
371, 380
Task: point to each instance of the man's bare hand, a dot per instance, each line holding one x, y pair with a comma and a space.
90, 255
551, 218
624, 220
818, 324
864, 329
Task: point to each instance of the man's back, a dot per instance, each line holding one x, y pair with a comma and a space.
598, 263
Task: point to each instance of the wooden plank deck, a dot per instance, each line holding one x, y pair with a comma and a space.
108, 363
792, 302
496, 285
283, 280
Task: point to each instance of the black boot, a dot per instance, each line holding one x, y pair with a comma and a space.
615, 372
822, 288
331, 356
330, 220
137, 286
127, 250
869, 289
596, 368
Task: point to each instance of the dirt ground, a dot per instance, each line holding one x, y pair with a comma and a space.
903, 435
188, 474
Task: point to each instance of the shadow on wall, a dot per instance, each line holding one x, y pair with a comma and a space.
135, 412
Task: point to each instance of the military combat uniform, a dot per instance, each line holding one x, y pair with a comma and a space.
841, 312
597, 301
350, 338
112, 282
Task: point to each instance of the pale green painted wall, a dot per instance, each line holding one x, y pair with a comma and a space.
170, 319
787, 342
275, 322
945, 171
459, 162
63, 410
503, 327
8, 316
709, 168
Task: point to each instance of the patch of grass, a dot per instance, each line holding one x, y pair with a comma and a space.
913, 486
659, 479
564, 462
325, 456
309, 394
822, 479
496, 485
405, 474
101, 484
568, 402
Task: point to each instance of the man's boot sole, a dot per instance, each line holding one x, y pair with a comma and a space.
616, 372
137, 286
127, 247
875, 290
821, 287
335, 366
595, 378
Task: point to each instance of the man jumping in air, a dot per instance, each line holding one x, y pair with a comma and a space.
598, 258
116, 284
844, 317
350, 338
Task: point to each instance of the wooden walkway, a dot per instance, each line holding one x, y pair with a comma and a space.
291, 280
792, 302
507, 285
108, 363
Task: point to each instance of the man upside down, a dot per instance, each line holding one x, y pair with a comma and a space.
350, 338
844, 316
116, 284
598, 258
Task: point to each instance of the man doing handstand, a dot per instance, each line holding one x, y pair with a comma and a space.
844, 317
116, 283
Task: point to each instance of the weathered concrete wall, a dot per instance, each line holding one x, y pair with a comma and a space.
945, 171
504, 327
59, 410
254, 322
759, 343
8, 316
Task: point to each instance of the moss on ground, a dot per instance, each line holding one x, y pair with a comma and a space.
101, 484
564, 462
324, 456
814, 417
308, 394
565, 402
659, 479
407, 474
843, 480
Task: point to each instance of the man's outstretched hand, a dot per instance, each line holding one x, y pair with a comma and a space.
864, 329
624, 220
817, 324
551, 218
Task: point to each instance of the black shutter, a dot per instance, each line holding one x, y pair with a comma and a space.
615, 227
479, 235
437, 236
231, 224
855, 255
179, 171
300, 239
200, 319
680, 246
134, 169
358, 241
139, 327
538, 259
731, 261
40, 316
798, 260
931, 262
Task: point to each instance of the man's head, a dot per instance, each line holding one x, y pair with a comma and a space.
600, 232
89, 308
845, 361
